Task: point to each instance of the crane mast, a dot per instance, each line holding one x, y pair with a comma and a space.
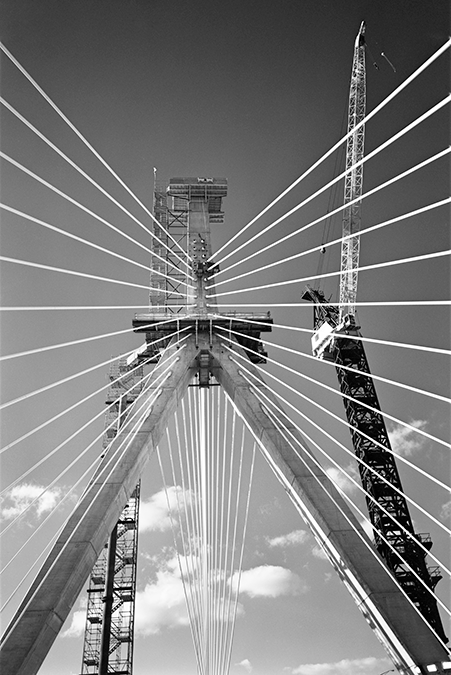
350, 247
336, 338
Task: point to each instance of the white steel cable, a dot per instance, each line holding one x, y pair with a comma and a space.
350, 398
222, 582
326, 245
218, 502
91, 244
65, 196
354, 456
193, 511
363, 268
367, 543
357, 200
61, 445
194, 438
350, 478
9, 107
58, 308
224, 615
52, 540
284, 430
305, 305
110, 460
63, 381
188, 550
51, 268
86, 398
357, 338
369, 116
39, 350
55, 480
84, 140
379, 378
346, 423
184, 584
240, 564
71, 437
230, 609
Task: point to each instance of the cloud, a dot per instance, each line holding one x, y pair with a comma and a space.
294, 538
367, 528
154, 514
318, 552
161, 604
366, 666
445, 512
23, 495
340, 478
246, 664
77, 626
268, 581
405, 441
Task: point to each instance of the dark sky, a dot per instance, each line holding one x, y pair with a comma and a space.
256, 92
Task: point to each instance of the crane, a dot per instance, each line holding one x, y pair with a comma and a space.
337, 339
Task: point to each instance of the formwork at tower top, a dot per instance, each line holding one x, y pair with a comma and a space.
170, 209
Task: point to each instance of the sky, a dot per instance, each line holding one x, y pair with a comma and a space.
254, 92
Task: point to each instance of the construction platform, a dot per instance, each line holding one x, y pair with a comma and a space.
249, 325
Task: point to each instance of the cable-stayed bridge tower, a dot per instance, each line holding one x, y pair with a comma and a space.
200, 348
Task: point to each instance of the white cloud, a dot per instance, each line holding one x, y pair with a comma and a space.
269, 581
23, 495
154, 514
339, 477
246, 664
445, 512
366, 666
77, 626
161, 604
294, 538
318, 552
367, 528
405, 441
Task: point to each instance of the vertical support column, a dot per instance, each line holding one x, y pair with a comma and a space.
108, 604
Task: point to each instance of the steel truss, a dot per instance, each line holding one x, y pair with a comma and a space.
172, 214
387, 506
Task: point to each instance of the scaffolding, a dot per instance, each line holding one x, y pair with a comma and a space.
168, 247
109, 628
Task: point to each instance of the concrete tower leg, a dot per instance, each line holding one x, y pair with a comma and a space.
408, 639
60, 581
399, 626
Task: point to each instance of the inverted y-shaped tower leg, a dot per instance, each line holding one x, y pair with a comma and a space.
57, 586
399, 626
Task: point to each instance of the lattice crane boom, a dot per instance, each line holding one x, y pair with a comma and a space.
394, 535
350, 247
